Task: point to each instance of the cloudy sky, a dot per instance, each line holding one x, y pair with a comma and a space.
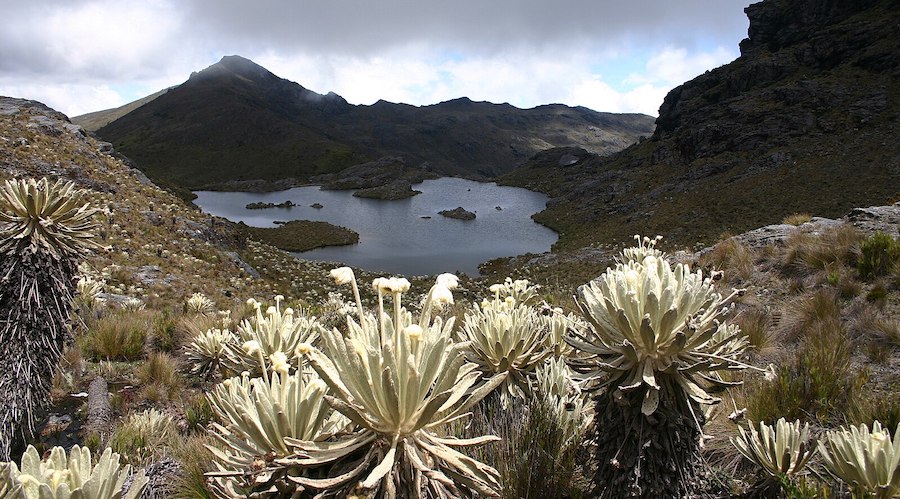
609, 55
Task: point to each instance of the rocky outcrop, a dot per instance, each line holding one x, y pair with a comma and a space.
389, 170
459, 213
803, 121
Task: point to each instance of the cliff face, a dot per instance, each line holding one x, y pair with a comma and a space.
804, 120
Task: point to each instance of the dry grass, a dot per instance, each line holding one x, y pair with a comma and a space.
797, 219
731, 257
805, 253
118, 336
159, 377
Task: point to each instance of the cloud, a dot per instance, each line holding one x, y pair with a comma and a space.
612, 56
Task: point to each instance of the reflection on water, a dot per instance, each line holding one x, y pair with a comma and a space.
406, 236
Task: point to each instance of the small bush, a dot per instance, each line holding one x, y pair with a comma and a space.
879, 254
878, 294
119, 336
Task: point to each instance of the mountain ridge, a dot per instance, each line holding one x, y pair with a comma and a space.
235, 121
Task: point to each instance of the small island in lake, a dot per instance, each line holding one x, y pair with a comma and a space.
300, 235
459, 213
389, 192
262, 206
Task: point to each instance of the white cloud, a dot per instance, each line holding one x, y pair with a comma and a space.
85, 55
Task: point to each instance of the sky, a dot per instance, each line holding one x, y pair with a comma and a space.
79, 56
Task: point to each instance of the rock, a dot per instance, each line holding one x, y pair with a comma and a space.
498, 208
317, 206
877, 218
459, 213
242, 264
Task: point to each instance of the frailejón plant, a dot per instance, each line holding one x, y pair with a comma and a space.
867, 460
259, 415
783, 449
73, 477
399, 380
207, 350
44, 228
656, 344
199, 303
264, 334
508, 336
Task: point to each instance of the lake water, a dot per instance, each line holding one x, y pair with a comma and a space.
393, 235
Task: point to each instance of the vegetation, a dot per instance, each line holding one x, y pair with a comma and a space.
73, 476
301, 235
44, 229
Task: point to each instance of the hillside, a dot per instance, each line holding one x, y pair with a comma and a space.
236, 121
160, 250
98, 119
803, 121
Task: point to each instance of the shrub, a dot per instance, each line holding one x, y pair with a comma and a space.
879, 254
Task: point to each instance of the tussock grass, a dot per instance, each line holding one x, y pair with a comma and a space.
731, 257
797, 219
143, 437
118, 336
756, 325
159, 377
805, 253
533, 458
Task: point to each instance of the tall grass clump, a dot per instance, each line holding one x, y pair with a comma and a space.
44, 230
732, 258
879, 255
805, 252
119, 336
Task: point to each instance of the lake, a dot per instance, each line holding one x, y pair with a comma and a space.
393, 235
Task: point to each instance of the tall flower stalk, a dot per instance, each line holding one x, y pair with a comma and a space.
399, 380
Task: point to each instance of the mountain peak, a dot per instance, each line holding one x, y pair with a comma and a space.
238, 66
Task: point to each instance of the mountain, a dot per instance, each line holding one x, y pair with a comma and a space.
98, 119
803, 121
236, 121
